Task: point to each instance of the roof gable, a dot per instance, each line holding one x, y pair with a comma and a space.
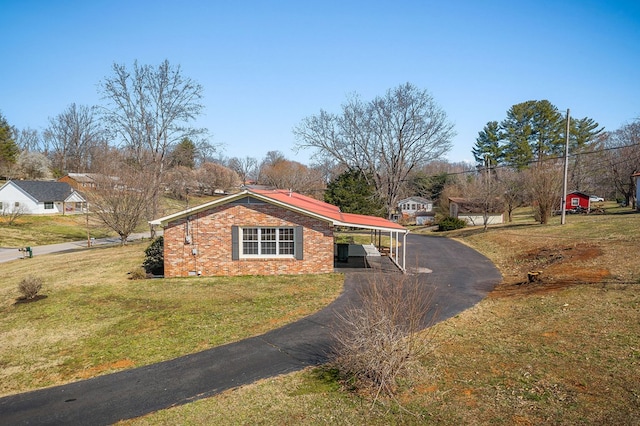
42, 191
295, 202
415, 199
582, 194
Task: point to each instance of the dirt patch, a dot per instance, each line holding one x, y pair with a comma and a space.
110, 366
552, 268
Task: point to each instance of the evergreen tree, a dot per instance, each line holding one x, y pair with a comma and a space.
352, 192
533, 130
429, 186
488, 146
9, 149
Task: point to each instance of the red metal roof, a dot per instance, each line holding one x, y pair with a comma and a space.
301, 203
327, 210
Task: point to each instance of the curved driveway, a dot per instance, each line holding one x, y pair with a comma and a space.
460, 278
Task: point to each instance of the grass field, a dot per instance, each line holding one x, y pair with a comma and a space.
561, 350
94, 320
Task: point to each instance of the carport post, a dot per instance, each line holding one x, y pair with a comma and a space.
404, 252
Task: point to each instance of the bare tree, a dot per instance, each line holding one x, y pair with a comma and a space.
180, 181
287, 174
12, 213
33, 165
120, 199
624, 160
148, 110
29, 140
387, 137
544, 188
513, 184
72, 134
211, 177
246, 168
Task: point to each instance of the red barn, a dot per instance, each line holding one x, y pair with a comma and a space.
578, 199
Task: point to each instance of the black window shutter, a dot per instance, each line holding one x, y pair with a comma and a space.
235, 245
298, 242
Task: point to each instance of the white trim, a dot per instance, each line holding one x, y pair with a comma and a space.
259, 242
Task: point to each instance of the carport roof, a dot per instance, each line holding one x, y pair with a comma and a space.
296, 202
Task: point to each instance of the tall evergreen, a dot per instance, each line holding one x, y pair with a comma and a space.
488, 147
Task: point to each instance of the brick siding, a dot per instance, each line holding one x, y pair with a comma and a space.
210, 251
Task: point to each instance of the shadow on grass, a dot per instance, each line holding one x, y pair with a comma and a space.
24, 300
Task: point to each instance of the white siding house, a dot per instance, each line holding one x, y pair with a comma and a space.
473, 211
418, 208
40, 197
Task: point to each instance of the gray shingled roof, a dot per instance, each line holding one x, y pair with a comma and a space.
44, 191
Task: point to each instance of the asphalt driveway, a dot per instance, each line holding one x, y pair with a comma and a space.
454, 276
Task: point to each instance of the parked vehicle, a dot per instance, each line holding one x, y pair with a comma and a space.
595, 199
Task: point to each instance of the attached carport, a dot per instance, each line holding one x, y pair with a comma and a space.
378, 227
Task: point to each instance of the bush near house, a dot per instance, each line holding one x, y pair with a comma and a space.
154, 257
450, 223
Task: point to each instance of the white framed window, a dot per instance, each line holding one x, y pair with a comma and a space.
253, 242
17, 204
267, 242
48, 205
575, 202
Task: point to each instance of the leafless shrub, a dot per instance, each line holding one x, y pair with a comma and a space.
378, 341
10, 215
29, 287
138, 274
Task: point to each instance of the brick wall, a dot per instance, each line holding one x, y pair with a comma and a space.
210, 252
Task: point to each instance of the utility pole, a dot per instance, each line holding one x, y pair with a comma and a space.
563, 204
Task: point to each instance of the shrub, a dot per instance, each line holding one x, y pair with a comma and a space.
138, 274
154, 260
378, 341
450, 223
29, 287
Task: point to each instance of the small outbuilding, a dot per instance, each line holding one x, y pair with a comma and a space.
578, 200
262, 232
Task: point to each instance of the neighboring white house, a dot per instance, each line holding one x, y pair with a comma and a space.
473, 211
418, 208
40, 197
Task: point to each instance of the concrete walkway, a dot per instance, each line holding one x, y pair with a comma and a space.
454, 276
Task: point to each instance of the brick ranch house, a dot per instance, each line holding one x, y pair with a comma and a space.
261, 232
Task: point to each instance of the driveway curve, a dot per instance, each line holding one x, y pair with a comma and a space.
455, 276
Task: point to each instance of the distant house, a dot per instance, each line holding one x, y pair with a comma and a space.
40, 197
472, 211
416, 207
89, 181
578, 200
261, 232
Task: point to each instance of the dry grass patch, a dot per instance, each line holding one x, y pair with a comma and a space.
37, 230
94, 320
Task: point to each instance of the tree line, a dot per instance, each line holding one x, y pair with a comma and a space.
366, 156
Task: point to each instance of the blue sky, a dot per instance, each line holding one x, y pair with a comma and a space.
265, 65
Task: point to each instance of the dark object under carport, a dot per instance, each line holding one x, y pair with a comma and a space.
343, 252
